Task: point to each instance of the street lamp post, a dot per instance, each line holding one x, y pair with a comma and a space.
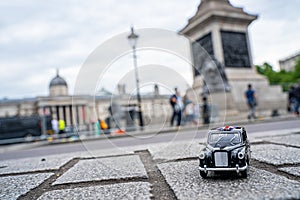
133, 40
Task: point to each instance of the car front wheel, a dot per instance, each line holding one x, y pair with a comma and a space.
203, 174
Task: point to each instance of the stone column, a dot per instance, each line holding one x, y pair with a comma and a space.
57, 113
64, 113
77, 115
71, 115
68, 121
217, 43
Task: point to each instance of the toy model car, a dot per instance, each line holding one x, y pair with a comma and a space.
227, 149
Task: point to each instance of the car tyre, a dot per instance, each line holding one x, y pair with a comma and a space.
203, 174
244, 174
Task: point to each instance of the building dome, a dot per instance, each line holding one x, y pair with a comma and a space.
58, 81
58, 86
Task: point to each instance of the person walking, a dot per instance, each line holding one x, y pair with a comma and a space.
188, 111
251, 101
54, 124
291, 99
205, 111
97, 127
176, 103
297, 97
61, 126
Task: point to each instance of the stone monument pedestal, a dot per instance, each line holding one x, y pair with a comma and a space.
220, 31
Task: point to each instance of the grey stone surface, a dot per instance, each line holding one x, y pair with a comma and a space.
184, 179
103, 152
293, 139
33, 164
275, 154
291, 170
11, 187
268, 134
104, 169
137, 190
176, 150
53, 162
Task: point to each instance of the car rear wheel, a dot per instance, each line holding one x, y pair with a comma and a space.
203, 174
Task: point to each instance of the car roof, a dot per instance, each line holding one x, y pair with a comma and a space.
227, 129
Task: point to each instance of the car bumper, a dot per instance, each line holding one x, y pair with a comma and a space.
236, 168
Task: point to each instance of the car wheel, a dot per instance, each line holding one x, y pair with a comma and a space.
248, 161
203, 174
244, 174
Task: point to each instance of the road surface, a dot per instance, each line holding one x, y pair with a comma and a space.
99, 144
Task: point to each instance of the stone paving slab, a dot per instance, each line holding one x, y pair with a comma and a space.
136, 190
291, 170
103, 152
176, 150
265, 135
11, 187
104, 169
293, 139
54, 162
33, 164
184, 179
275, 154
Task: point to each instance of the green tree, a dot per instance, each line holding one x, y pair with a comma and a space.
283, 78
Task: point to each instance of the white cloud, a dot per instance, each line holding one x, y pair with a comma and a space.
37, 37
274, 33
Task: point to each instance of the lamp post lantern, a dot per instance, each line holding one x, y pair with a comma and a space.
133, 41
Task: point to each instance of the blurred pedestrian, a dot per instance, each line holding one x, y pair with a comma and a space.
97, 127
291, 99
196, 114
251, 101
61, 126
188, 111
205, 111
177, 105
103, 124
297, 97
54, 124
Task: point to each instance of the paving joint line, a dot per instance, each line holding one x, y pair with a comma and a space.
29, 172
160, 188
286, 145
274, 169
109, 156
97, 183
46, 186
36, 192
275, 143
177, 160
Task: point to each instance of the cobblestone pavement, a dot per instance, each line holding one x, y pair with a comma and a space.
156, 171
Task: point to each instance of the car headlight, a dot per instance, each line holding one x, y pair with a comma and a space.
241, 155
202, 155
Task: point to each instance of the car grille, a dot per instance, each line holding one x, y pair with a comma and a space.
221, 159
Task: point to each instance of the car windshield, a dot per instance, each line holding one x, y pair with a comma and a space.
224, 139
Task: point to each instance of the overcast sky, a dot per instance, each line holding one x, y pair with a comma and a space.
36, 37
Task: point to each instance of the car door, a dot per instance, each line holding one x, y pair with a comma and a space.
247, 144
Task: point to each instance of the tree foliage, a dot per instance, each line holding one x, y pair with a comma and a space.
283, 78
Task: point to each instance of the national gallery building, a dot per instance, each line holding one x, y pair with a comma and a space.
83, 110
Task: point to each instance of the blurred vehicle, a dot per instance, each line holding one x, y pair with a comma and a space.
227, 149
23, 128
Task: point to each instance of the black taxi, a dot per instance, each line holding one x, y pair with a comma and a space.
227, 149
